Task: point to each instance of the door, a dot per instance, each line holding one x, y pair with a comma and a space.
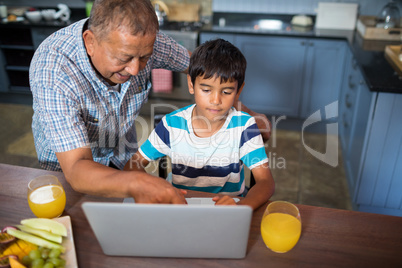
323, 73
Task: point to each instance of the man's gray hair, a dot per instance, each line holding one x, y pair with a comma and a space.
136, 16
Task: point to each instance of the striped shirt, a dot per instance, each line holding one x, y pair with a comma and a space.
74, 107
213, 164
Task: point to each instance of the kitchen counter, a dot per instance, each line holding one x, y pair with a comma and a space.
76, 15
378, 73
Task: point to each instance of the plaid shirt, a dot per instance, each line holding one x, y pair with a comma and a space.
75, 108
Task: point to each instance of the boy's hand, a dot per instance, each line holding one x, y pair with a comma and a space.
223, 200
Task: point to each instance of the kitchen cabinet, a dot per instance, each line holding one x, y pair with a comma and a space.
3, 74
289, 76
323, 66
17, 50
274, 74
356, 103
347, 98
379, 186
17, 46
205, 36
371, 138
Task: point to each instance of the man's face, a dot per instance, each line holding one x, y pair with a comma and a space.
120, 55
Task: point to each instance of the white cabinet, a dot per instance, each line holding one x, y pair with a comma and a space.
379, 185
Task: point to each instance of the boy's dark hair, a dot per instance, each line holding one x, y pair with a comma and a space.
218, 58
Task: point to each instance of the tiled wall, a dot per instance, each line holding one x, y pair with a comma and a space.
366, 7
205, 4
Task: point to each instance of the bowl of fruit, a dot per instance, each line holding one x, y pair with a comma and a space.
38, 242
33, 15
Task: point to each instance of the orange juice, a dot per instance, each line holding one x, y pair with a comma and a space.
47, 201
280, 231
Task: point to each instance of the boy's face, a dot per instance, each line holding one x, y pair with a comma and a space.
213, 99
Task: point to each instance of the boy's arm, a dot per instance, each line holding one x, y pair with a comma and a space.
263, 189
136, 163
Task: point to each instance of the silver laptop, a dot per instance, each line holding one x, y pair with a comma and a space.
196, 230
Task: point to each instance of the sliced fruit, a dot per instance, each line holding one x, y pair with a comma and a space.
44, 234
16, 264
35, 239
14, 249
4, 262
5, 240
25, 248
7, 227
48, 225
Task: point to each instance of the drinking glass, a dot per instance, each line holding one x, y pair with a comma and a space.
281, 226
46, 196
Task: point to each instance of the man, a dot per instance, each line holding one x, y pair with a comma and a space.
89, 81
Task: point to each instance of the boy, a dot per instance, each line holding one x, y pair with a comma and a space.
208, 142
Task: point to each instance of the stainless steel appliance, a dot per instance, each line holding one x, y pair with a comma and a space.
185, 34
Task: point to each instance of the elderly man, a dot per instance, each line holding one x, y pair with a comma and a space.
89, 81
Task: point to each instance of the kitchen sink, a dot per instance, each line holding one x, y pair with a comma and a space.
262, 24
257, 23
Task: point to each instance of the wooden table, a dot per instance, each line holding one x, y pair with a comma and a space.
330, 237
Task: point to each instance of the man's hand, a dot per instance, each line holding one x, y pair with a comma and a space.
150, 189
89, 177
223, 200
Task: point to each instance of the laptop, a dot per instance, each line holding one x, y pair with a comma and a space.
196, 230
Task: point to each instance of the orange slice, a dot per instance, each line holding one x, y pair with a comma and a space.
15, 264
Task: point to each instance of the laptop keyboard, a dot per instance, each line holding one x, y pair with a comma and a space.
190, 201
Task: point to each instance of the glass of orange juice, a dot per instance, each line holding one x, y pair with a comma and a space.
46, 196
281, 226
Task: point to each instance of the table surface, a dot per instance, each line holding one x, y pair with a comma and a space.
330, 237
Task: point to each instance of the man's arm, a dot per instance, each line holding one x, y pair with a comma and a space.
264, 125
136, 163
90, 177
186, 70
